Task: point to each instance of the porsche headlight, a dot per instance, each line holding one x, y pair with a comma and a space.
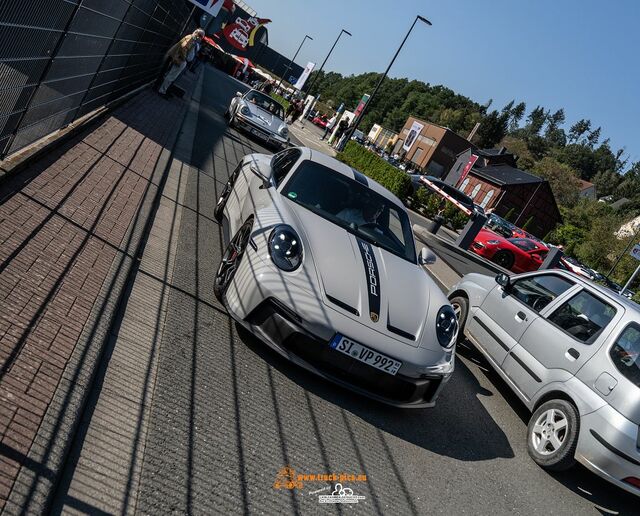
285, 248
283, 131
245, 111
446, 326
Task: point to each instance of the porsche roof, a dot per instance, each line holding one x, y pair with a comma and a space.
348, 171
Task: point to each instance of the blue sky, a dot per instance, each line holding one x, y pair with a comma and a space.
579, 55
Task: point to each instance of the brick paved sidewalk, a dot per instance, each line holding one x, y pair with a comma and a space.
70, 226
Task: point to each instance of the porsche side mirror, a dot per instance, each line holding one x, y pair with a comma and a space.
427, 257
503, 280
265, 180
238, 94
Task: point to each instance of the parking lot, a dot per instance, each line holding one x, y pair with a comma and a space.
192, 414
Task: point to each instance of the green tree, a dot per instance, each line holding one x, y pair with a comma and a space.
578, 130
562, 179
606, 182
519, 147
516, 116
536, 120
493, 128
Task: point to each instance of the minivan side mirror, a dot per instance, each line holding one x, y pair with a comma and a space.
503, 280
427, 257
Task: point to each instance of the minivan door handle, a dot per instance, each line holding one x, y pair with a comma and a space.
521, 316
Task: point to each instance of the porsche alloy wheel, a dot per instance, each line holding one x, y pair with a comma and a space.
231, 260
504, 259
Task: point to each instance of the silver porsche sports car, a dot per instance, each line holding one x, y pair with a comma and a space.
260, 115
321, 265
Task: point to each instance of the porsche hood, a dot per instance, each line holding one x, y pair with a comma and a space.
365, 282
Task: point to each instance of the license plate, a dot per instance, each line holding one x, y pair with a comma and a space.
365, 355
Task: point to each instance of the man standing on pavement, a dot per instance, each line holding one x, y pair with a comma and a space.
342, 127
330, 125
180, 54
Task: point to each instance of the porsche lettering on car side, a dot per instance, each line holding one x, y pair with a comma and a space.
321, 265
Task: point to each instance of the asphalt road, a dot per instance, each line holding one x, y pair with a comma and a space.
227, 414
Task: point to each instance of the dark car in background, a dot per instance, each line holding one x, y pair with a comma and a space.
499, 226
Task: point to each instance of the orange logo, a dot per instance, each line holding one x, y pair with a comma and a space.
286, 479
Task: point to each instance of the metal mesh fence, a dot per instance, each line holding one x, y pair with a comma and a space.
61, 59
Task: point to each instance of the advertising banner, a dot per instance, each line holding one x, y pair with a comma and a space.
414, 132
305, 75
211, 7
241, 32
363, 101
467, 168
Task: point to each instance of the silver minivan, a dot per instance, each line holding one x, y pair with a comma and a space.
570, 350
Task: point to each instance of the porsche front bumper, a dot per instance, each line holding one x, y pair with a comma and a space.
263, 134
282, 330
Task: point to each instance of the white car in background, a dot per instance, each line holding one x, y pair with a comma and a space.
261, 116
321, 265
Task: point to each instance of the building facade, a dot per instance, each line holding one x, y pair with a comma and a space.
380, 137
496, 184
434, 150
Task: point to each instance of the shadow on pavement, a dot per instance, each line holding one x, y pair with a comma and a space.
458, 427
605, 497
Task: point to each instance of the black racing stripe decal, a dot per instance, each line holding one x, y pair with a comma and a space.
360, 177
373, 278
493, 335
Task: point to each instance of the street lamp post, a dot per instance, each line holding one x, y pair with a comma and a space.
327, 58
364, 109
294, 58
308, 89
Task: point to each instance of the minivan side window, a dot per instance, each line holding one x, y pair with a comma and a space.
282, 163
625, 353
584, 316
538, 291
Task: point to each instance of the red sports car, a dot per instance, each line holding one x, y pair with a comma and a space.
320, 121
515, 254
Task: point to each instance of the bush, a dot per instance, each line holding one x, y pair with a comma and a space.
285, 103
373, 166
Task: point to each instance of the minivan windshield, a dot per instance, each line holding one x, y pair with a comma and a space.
352, 205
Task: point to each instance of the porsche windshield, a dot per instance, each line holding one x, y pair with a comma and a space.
265, 102
352, 205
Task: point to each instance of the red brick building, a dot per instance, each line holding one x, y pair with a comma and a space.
495, 183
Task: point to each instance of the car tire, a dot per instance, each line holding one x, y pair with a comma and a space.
231, 260
461, 308
556, 418
504, 259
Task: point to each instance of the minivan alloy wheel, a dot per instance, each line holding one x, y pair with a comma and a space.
549, 431
552, 434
